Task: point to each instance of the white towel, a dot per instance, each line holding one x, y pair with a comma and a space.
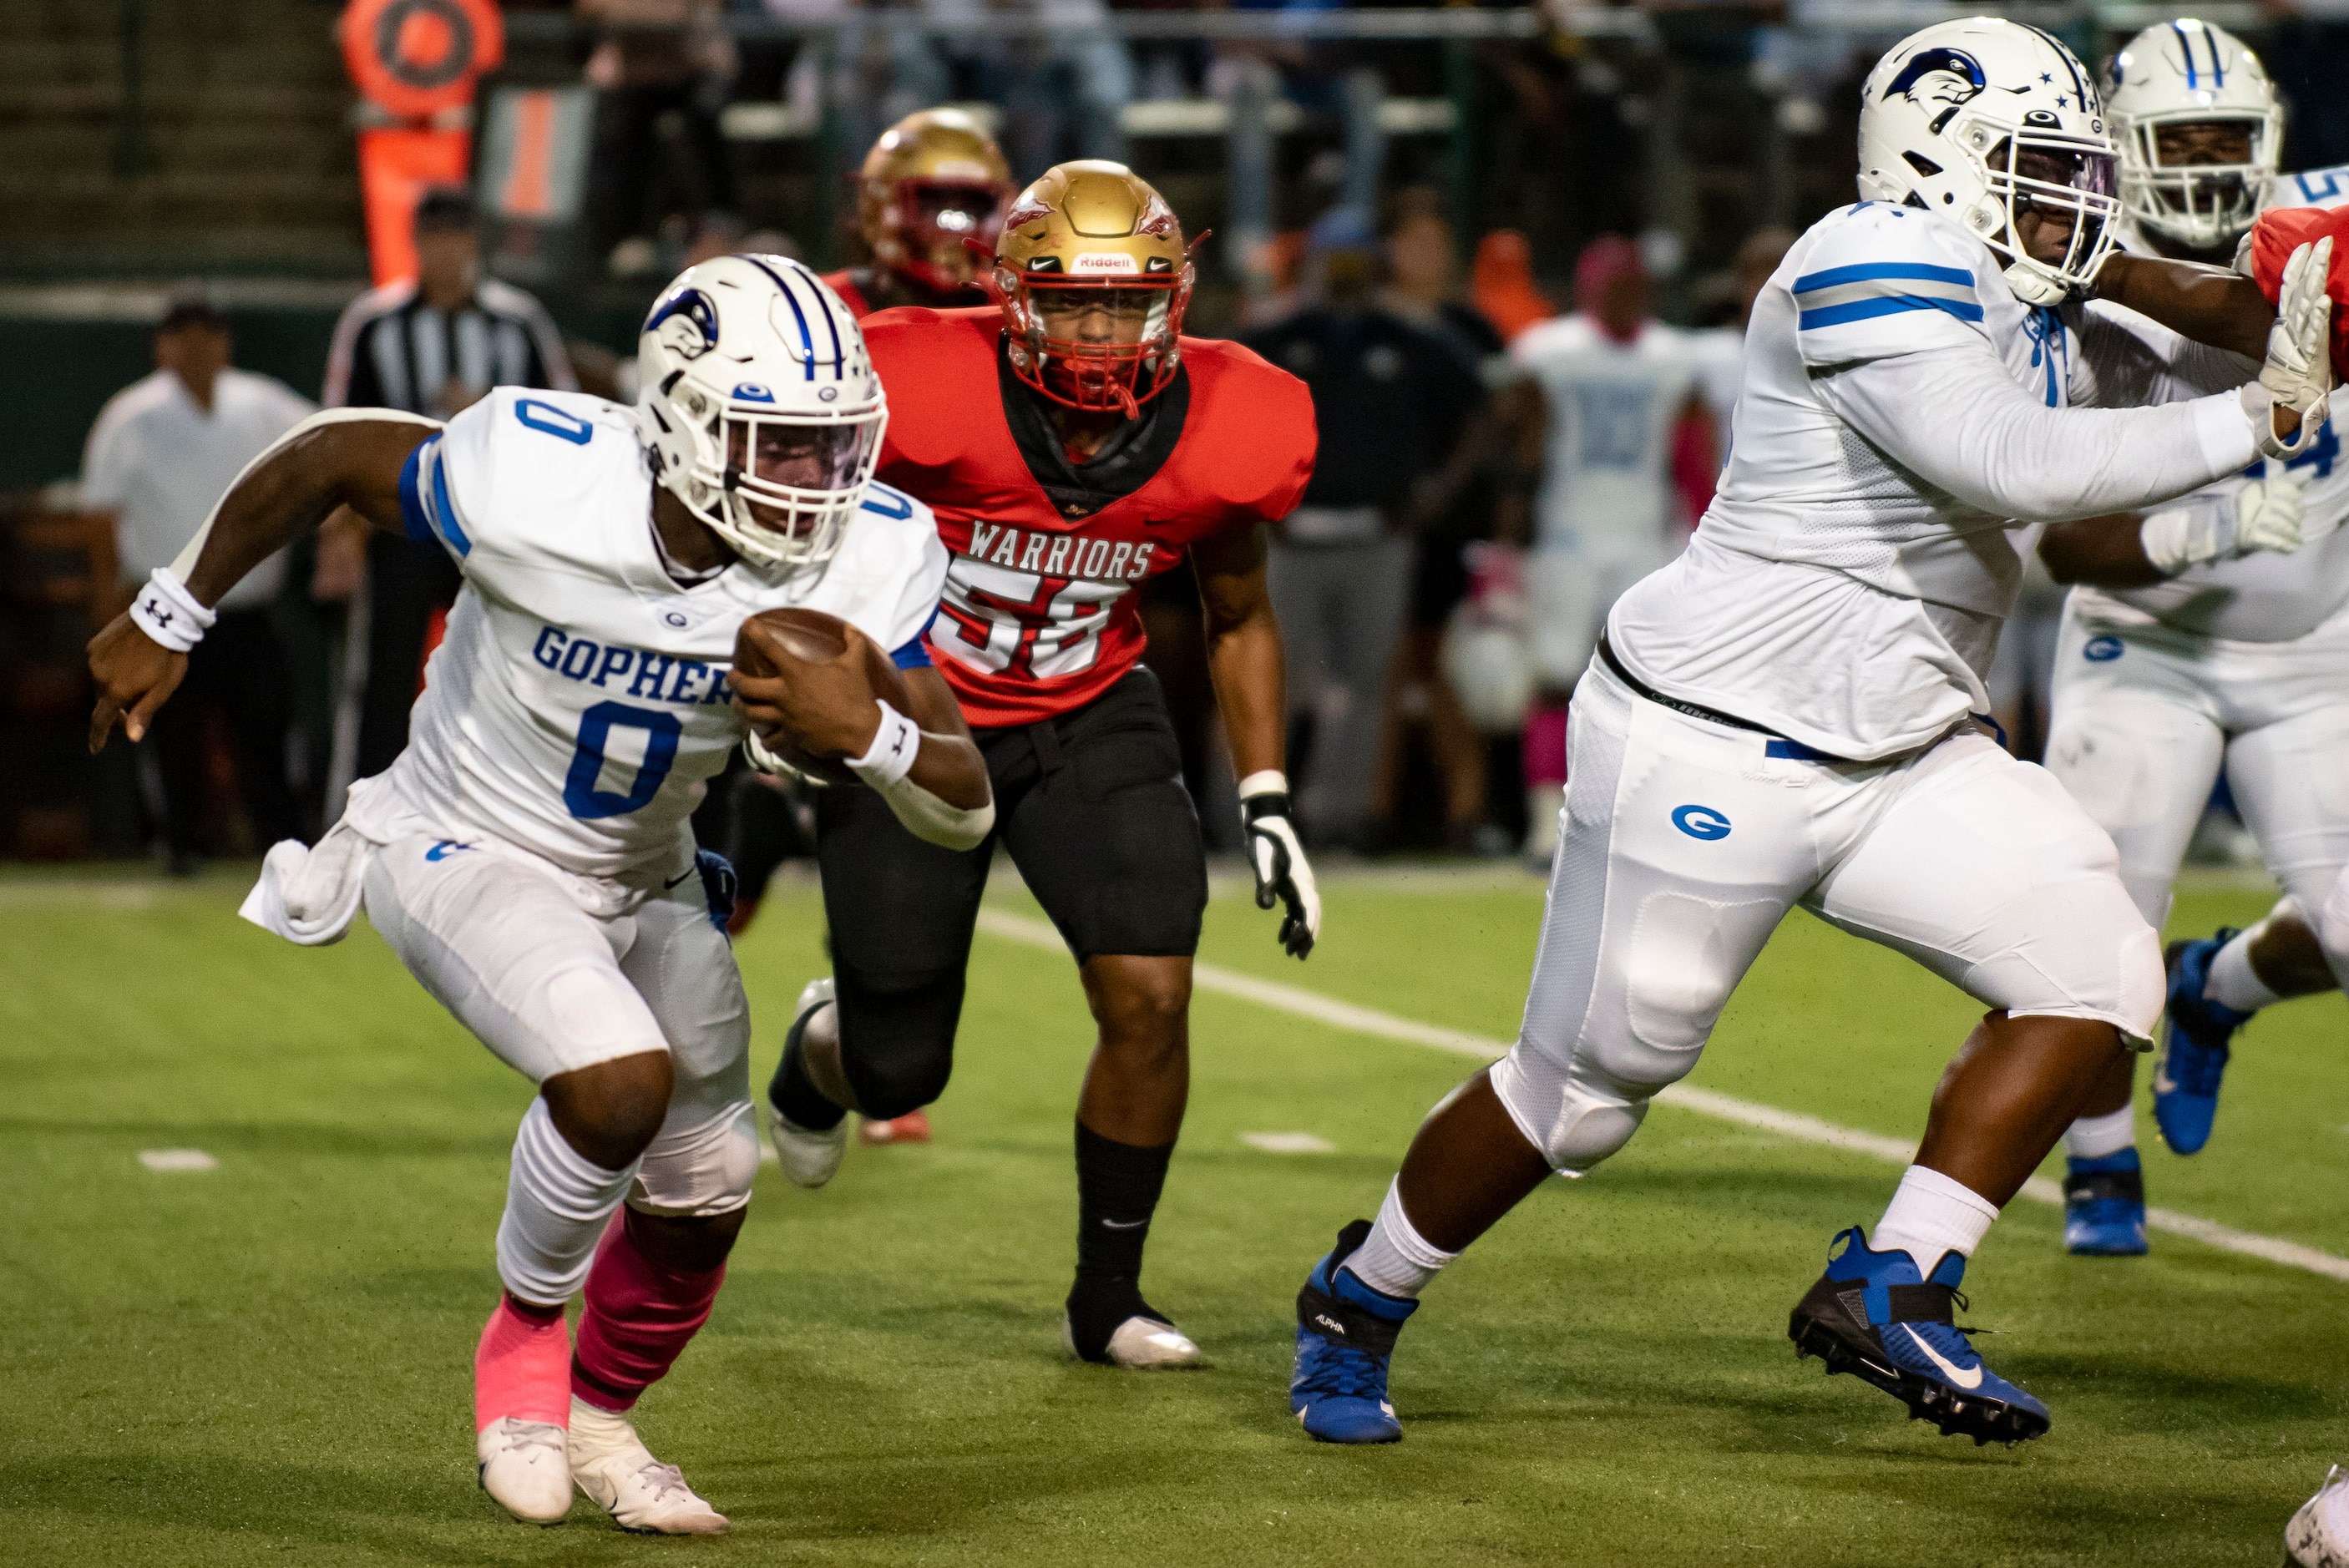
310, 896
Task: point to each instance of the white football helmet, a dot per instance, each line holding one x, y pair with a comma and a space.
2190, 73
1982, 119
760, 407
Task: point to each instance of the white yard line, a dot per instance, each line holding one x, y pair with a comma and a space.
1792, 1124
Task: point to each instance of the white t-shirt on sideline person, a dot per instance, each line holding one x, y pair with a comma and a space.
160, 462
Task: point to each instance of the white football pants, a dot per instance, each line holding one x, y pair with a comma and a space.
2144, 720
551, 988
1686, 842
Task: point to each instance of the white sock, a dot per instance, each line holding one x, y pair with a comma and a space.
1395, 1259
1931, 1214
2233, 983
2095, 1137
557, 1205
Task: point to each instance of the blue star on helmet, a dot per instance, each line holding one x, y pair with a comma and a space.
2045, 77
2061, 102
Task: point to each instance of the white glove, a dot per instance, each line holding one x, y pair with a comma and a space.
2265, 514
1279, 859
2299, 369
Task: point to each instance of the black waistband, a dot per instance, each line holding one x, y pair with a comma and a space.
1695, 710
1779, 746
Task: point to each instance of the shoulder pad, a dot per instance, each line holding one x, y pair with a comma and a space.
1873, 279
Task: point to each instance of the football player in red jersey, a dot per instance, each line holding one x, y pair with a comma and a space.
1072, 443
933, 182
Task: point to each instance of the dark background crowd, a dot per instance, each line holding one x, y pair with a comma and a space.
1396, 194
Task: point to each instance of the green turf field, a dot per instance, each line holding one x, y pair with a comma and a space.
269, 1361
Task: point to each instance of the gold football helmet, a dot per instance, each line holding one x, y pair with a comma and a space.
1094, 233
934, 180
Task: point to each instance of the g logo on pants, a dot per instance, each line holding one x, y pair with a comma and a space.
1700, 823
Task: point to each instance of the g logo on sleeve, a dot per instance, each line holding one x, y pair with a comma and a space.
1700, 823
2101, 650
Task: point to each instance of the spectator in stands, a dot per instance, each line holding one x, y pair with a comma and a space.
656, 59
1066, 88
163, 450
1501, 284
1423, 283
432, 345
1396, 407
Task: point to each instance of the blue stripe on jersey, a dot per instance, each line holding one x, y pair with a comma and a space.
444, 510
1891, 305
915, 654
888, 502
1866, 271
411, 503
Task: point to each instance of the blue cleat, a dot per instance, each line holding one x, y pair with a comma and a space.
2194, 1038
1345, 1334
2104, 1206
1873, 1315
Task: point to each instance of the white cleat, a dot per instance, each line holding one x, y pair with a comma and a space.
525, 1468
2318, 1535
1143, 1344
619, 1475
809, 1158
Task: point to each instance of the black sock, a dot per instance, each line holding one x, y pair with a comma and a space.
793, 1094
1117, 1192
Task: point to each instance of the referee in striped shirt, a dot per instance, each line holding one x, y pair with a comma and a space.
432, 344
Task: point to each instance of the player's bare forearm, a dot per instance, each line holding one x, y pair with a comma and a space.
949, 765
1244, 658
2209, 304
352, 462
2100, 552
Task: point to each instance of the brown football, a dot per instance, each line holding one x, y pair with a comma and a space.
773, 641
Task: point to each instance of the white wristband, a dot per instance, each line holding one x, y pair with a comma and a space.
1269, 782
891, 756
169, 613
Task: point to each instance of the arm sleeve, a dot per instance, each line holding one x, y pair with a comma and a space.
2129, 361
1994, 445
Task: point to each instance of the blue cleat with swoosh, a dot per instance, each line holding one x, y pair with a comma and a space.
1874, 1315
1345, 1338
2194, 1034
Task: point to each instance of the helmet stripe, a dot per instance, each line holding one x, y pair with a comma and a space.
2079, 90
807, 338
2193, 78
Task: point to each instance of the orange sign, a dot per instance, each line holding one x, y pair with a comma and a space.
395, 166
418, 58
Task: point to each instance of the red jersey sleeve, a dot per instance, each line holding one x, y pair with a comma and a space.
2278, 234
1253, 426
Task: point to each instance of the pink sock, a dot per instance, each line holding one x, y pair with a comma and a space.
1545, 745
520, 1368
638, 1318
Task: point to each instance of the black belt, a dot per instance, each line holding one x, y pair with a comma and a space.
1779, 744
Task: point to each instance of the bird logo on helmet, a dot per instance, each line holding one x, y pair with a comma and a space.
933, 183
1985, 121
1091, 245
759, 407
2179, 76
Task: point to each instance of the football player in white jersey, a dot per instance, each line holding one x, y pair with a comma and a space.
1601, 392
2193, 641
1782, 717
529, 856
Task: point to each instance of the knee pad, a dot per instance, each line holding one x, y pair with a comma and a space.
703, 1168
2084, 951
897, 1047
1575, 1118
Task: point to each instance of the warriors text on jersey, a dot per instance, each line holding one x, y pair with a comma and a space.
1846, 587
580, 701
1040, 613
